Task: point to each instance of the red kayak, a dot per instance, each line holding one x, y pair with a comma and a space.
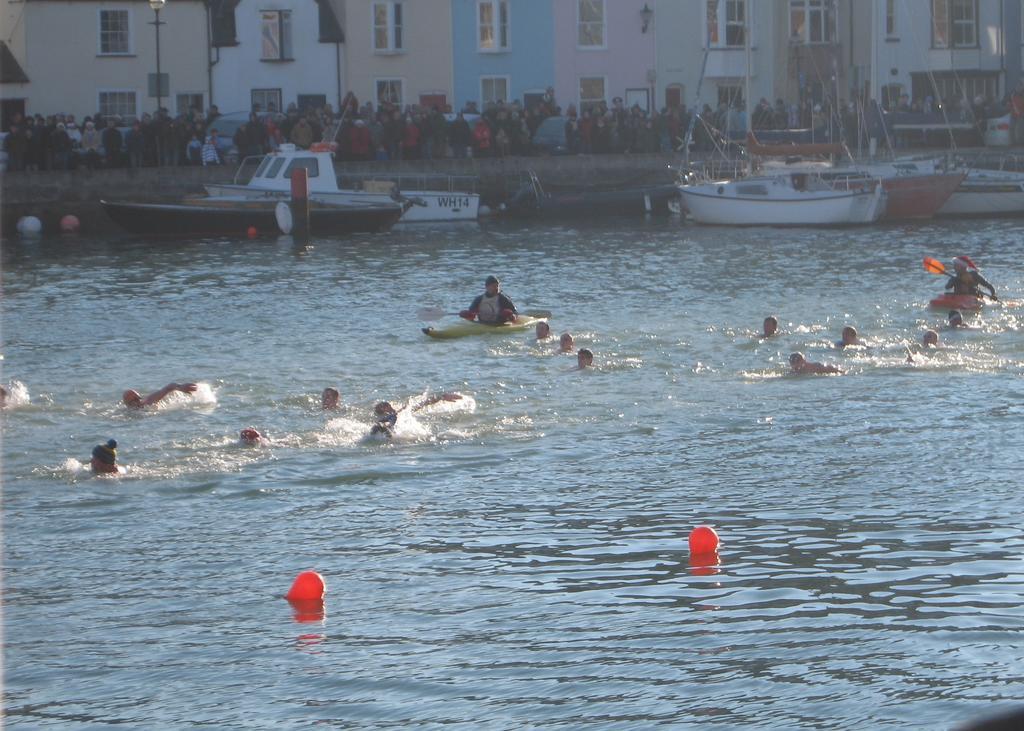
957, 302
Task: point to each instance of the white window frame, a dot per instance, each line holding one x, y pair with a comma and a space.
389, 79
99, 103
495, 77
265, 106
496, 6
722, 23
189, 93
285, 44
579, 91
604, 27
822, 7
390, 27
951, 25
99, 33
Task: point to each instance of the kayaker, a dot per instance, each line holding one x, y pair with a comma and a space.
387, 415
771, 326
968, 279
584, 359
801, 366
956, 319
849, 337
491, 307
134, 400
330, 399
104, 457
543, 330
565, 343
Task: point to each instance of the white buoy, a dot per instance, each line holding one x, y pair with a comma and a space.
484, 211
30, 226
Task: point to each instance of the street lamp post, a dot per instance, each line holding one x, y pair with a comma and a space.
157, 6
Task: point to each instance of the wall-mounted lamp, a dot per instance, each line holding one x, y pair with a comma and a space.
645, 15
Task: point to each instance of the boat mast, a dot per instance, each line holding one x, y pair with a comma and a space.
696, 102
874, 115
746, 86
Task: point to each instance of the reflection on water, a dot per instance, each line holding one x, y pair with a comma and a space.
518, 558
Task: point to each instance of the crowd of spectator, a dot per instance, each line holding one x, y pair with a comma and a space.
388, 132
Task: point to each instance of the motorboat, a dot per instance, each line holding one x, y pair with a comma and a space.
437, 197
533, 199
202, 216
784, 199
987, 193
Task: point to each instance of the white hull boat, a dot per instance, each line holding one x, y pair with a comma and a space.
987, 193
449, 198
796, 199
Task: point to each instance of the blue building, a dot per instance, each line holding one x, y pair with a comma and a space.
502, 51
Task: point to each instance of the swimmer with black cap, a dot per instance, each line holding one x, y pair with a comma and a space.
134, 400
565, 343
104, 457
543, 330
584, 359
771, 326
956, 319
386, 415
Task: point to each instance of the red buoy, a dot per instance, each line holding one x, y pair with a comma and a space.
69, 224
252, 232
703, 540
308, 586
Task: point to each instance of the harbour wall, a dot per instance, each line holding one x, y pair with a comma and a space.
50, 195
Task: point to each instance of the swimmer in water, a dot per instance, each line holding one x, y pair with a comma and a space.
584, 359
104, 458
250, 437
543, 330
955, 319
134, 400
801, 366
330, 399
565, 343
849, 337
771, 326
386, 415
930, 339
3, 397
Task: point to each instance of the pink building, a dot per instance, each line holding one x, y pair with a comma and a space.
604, 49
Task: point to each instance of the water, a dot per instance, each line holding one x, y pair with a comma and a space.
518, 559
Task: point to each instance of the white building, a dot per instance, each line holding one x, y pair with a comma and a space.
93, 56
275, 53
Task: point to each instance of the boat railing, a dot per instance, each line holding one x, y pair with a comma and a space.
412, 181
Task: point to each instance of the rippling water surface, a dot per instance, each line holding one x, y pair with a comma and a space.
518, 559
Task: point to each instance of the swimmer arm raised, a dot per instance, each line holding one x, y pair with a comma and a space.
157, 396
447, 396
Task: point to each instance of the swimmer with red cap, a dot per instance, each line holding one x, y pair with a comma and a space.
134, 400
249, 436
104, 458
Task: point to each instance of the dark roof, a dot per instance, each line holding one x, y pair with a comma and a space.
11, 71
330, 28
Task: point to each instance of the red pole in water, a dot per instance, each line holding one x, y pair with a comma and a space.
300, 204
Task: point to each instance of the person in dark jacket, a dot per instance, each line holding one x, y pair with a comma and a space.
112, 143
491, 307
968, 279
460, 136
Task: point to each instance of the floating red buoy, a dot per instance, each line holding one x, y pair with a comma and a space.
703, 540
69, 224
308, 586
251, 232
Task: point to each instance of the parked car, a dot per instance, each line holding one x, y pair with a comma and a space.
997, 131
549, 139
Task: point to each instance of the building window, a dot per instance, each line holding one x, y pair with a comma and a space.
387, 27
185, 103
890, 18
115, 33
945, 86
591, 23
591, 92
954, 23
731, 26
265, 100
731, 95
492, 32
117, 103
389, 91
493, 89
812, 21
276, 35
